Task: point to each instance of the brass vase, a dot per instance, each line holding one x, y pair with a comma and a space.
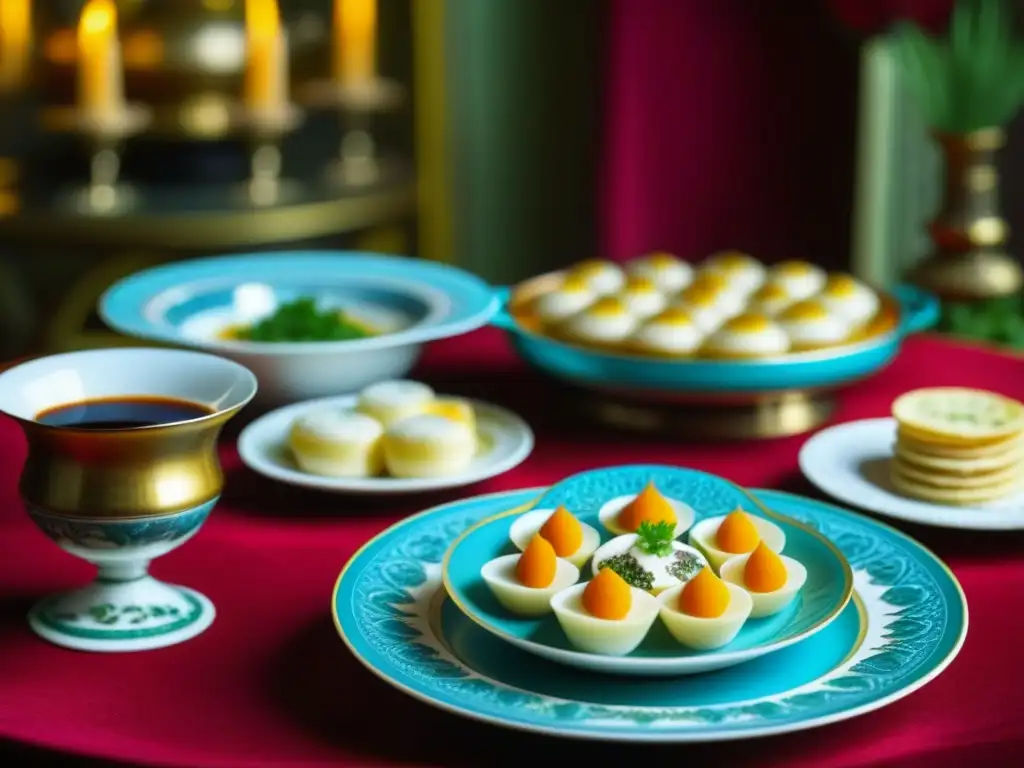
969, 261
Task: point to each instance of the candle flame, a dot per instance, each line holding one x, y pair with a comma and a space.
97, 22
262, 19
356, 16
15, 18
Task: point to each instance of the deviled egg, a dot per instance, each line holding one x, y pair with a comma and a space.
625, 514
524, 584
572, 296
748, 335
600, 276
800, 278
337, 443
770, 299
649, 559
709, 302
705, 613
849, 297
394, 400
811, 325
672, 333
737, 533
641, 297
605, 615
772, 580
744, 273
606, 321
571, 539
669, 273
428, 446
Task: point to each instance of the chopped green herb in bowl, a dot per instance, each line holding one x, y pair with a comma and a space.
302, 320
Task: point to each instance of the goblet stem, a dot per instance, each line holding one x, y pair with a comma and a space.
117, 573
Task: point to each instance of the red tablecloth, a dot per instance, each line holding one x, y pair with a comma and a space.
270, 684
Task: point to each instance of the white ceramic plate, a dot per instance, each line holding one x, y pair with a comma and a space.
506, 440
850, 463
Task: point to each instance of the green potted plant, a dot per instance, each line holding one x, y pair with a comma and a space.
969, 84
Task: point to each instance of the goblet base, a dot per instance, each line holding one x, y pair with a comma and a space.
114, 615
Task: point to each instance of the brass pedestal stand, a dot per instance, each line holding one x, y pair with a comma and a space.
105, 132
266, 130
767, 416
359, 162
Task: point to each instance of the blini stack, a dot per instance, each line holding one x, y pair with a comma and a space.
958, 447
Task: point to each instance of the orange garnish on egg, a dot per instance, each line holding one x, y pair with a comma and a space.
607, 596
590, 267
771, 291
737, 534
563, 531
707, 281
764, 570
750, 322
731, 260
609, 306
674, 316
704, 596
537, 565
661, 260
805, 310
574, 284
840, 285
649, 506
792, 268
639, 284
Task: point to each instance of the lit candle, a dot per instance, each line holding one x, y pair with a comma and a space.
355, 40
15, 40
100, 75
266, 73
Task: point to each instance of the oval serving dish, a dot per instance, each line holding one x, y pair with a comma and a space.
909, 310
408, 301
824, 596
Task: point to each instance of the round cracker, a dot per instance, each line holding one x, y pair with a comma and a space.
1001, 447
958, 415
976, 465
949, 480
949, 496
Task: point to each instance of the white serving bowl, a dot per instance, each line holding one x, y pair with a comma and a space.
191, 303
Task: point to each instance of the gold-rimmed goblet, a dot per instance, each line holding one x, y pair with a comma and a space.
119, 497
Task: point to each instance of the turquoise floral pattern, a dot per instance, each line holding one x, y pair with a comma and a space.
916, 616
117, 534
112, 615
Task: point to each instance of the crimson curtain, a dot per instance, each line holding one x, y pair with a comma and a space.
729, 124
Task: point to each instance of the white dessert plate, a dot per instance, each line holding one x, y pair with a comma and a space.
505, 441
850, 462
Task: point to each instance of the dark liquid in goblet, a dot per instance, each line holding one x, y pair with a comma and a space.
122, 413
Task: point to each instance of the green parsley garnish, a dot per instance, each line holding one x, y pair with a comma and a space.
629, 570
302, 320
655, 539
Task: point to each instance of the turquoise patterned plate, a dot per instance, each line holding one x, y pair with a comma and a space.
905, 624
827, 591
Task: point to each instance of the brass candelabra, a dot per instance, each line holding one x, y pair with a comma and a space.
358, 162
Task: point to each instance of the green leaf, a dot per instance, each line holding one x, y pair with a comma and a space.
655, 539
971, 79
